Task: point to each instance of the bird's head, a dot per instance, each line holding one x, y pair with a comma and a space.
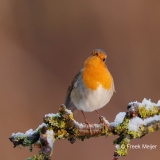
99, 54
97, 58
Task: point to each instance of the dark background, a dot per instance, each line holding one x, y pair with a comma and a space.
43, 44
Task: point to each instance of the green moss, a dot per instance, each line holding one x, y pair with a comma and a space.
123, 126
57, 122
53, 121
37, 157
155, 110
123, 147
75, 131
109, 133
144, 113
61, 124
135, 134
150, 129
27, 142
71, 116
104, 130
62, 134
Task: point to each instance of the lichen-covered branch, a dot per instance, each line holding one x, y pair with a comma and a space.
139, 120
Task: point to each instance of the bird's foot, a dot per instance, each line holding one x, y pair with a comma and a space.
102, 121
88, 125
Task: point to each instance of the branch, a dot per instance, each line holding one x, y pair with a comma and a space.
139, 120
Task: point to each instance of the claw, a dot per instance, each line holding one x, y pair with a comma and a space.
102, 120
89, 128
87, 123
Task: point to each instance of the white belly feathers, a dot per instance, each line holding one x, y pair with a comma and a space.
89, 100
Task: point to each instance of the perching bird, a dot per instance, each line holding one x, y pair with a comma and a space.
93, 87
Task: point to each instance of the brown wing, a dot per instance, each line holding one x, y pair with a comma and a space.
68, 102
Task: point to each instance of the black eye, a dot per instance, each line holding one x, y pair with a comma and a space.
104, 59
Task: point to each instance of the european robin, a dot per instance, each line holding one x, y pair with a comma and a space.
93, 87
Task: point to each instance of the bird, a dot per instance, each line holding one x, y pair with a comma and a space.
93, 86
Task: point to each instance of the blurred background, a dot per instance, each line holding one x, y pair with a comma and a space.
43, 44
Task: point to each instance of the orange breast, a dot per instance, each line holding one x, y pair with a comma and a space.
95, 72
